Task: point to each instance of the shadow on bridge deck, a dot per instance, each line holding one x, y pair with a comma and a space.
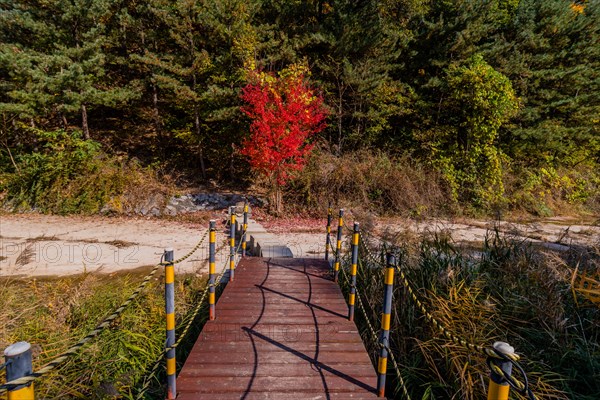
281, 329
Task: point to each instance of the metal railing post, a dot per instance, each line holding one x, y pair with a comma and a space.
19, 364
328, 238
386, 317
232, 244
499, 387
244, 229
352, 295
170, 311
336, 268
212, 238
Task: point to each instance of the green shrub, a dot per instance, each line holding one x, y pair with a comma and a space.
68, 174
546, 191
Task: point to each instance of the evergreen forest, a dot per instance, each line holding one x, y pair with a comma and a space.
433, 107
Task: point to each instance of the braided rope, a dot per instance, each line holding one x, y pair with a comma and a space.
490, 352
96, 331
83, 341
196, 247
522, 388
190, 318
369, 252
487, 351
375, 337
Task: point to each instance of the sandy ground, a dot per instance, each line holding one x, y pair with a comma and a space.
557, 234
41, 245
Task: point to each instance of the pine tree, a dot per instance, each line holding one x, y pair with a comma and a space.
61, 71
550, 53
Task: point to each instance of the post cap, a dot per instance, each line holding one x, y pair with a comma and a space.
16, 349
504, 348
168, 255
391, 260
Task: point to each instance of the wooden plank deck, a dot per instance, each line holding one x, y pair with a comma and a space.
281, 330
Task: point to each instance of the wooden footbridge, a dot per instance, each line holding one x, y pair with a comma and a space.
281, 329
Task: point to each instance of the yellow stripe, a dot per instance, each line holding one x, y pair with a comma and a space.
385, 321
169, 274
232, 264
245, 227
232, 219
212, 237
382, 366
211, 298
171, 366
26, 393
211, 268
351, 299
355, 239
341, 223
339, 244
245, 208
498, 392
389, 276
170, 321
328, 229
353, 269
232, 242
337, 266
244, 245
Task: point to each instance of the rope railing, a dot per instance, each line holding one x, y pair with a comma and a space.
500, 357
98, 329
374, 336
20, 378
190, 320
195, 312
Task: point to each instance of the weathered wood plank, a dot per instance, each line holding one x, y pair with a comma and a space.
281, 330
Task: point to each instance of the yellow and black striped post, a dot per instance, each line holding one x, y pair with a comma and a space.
170, 311
232, 244
499, 387
19, 364
386, 317
338, 247
244, 229
328, 238
212, 239
352, 295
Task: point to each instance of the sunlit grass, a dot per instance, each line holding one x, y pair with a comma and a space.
507, 290
52, 314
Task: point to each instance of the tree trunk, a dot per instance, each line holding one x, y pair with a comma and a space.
84, 123
157, 121
200, 152
64, 121
197, 113
340, 119
278, 196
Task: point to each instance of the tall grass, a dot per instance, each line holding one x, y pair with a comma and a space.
507, 290
54, 313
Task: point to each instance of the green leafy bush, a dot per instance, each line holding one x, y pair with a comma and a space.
68, 174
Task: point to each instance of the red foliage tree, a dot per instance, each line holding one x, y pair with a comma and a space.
286, 112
